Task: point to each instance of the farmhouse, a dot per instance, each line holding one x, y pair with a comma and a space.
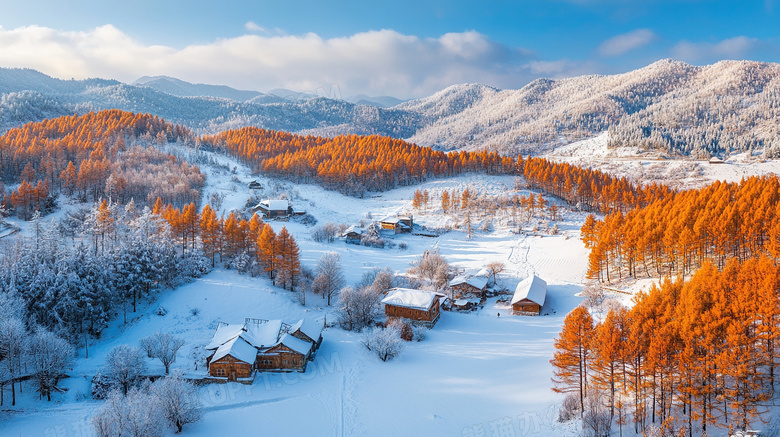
236, 351
467, 285
415, 305
353, 235
397, 224
273, 208
529, 296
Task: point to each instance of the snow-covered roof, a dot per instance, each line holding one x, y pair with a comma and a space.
312, 328
274, 204
296, 344
239, 349
262, 335
353, 228
391, 220
410, 298
224, 334
478, 282
483, 272
532, 288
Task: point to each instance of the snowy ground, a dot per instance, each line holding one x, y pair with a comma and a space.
475, 374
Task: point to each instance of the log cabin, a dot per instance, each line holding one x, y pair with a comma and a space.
465, 286
353, 235
415, 305
529, 296
237, 351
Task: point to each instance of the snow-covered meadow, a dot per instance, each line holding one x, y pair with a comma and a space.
475, 373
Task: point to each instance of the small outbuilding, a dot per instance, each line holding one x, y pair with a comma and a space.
529, 297
416, 305
353, 235
716, 160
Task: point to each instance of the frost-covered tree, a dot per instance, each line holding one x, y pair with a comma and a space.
162, 346
49, 356
431, 267
125, 364
13, 346
138, 414
358, 307
178, 400
386, 343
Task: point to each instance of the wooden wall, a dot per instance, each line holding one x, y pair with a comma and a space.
231, 367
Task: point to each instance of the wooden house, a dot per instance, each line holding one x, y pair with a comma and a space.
236, 351
529, 296
415, 305
288, 354
465, 286
308, 330
273, 208
353, 235
397, 224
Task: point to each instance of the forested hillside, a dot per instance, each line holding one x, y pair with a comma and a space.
668, 107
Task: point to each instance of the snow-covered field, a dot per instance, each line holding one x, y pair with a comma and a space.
475, 374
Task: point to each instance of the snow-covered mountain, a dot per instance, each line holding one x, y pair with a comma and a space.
181, 88
668, 106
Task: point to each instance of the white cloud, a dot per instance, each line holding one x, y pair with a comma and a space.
733, 48
254, 27
375, 62
621, 44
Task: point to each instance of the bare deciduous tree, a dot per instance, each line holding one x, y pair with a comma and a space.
386, 343
178, 400
432, 267
162, 346
329, 277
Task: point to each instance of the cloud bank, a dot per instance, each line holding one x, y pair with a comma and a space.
375, 62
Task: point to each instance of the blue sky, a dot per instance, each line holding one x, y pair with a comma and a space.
402, 48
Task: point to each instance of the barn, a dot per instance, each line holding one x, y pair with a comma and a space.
529, 296
415, 305
273, 208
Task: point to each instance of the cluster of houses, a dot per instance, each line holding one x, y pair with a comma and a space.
238, 350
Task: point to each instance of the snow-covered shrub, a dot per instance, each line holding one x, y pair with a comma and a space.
403, 246
386, 343
178, 400
419, 332
194, 311
596, 420
136, 415
160, 311
101, 386
242, 262
570, 408
194, 266
306, 219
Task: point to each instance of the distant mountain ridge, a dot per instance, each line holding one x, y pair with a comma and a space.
668, 106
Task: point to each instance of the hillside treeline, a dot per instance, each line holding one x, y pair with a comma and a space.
95, 155
677, 233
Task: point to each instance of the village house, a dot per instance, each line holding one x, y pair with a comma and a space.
273, 208
470, 285
397, 224
237, 351
416, 305
529, 296
353, 235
